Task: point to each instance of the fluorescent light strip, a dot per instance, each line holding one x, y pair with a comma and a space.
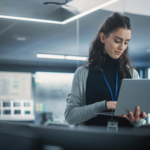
89, 11
31, 19
61, 57
76, 58
58, 22
50, 56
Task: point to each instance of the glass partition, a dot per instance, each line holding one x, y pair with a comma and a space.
51, 91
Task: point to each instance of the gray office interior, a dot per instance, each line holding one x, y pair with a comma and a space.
21, 41
73, 38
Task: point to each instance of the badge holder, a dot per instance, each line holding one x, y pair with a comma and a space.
112, 125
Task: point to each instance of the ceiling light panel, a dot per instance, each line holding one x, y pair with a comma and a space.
50, 56
85, 7
76, 58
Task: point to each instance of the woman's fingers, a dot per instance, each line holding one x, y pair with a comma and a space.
125, 116
137, 114
143, 115
122, 116
131, 117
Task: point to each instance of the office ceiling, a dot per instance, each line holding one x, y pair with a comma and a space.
20, 41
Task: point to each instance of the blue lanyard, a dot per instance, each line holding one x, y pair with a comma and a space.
113, 98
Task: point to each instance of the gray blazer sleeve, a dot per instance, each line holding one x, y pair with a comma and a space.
76, 111
135, 75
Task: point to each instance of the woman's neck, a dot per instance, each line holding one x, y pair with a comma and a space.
110, 62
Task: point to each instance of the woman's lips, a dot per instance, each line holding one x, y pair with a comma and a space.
118, 52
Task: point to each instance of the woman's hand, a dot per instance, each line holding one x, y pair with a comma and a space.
111, 105
135, 117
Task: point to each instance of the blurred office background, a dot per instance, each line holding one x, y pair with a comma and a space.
34, 88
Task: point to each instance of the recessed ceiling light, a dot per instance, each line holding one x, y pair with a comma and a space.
21, 38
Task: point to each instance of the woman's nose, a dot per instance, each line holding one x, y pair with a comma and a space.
121, 46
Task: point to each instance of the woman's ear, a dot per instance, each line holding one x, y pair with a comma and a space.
102, 37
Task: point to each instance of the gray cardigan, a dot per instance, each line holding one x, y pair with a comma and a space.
77, 112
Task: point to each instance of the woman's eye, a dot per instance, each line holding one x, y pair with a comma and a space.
126, 43
117, 41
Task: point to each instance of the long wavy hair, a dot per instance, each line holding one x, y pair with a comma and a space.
96, 55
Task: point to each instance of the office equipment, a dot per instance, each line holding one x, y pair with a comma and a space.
15, 96
16, 110
72, 139
15, 85
133, 92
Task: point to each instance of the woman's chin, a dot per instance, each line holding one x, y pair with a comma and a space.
115, 56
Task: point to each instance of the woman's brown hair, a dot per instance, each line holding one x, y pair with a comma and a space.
96, 55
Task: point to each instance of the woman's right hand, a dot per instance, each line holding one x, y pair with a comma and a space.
111, 105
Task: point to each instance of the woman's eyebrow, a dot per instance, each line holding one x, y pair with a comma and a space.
121, 38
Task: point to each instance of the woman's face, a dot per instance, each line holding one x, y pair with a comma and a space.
116, 43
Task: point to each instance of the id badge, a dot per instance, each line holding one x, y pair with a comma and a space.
112, 126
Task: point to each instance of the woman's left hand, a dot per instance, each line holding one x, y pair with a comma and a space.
137, 115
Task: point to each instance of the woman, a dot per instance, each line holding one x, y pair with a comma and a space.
108, 57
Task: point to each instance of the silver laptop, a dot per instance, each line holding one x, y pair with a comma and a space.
133, 92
